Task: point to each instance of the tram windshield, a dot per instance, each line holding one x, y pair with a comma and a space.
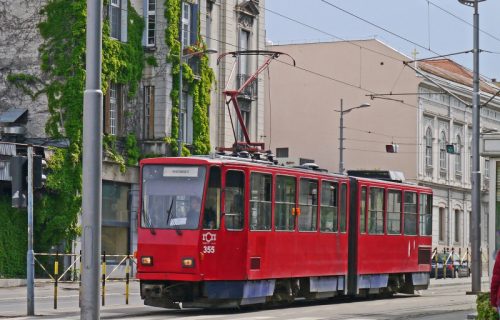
171, 196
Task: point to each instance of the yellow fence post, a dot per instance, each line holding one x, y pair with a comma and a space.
103, 278
127, 278
56, 278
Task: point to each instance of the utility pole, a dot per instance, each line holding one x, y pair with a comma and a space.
30, 257
476, 173
180, 117
341, 138
92, 165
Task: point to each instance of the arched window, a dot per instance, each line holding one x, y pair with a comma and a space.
458, 157
443, 164
428, 147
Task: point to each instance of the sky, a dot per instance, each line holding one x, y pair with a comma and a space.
432, 27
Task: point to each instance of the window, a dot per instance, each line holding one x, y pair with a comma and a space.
113, 109
234, 200
149, 111
260, 201
285, 203
171, 196
458, 158
394, 212
186, 23
305, 160
486, 168
281, 152
115, 219
443, 164
428, 148
343, 207
362, 211
150, 23
329, 206
376, 211
442, 224
244, 45
458, 220
410, 213
118, 19
308, 203
186, 118
425, 215
212, 211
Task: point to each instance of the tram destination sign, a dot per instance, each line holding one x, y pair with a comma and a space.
179, 172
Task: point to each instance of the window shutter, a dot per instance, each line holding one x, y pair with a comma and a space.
106, 110
145, 9
193, 37
124, 17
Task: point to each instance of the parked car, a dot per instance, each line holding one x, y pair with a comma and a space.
454, 267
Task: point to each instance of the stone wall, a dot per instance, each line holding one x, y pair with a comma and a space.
19, 42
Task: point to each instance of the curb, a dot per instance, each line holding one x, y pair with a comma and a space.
7, 283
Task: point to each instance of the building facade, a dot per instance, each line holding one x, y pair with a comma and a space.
420, 112
139, 113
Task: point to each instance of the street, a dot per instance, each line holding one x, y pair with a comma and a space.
445, 299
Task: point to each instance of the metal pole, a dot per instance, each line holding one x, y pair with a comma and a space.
30, 261
476, 174
341, 139
181, 36
92, 165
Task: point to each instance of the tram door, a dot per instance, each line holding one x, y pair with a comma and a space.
223, 239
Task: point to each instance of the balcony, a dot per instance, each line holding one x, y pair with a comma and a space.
250, 92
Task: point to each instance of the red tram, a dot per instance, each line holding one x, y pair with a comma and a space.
225, 231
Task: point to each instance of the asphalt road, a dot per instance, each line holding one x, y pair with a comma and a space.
445, 299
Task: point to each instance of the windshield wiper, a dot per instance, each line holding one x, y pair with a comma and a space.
147, 220
169, 216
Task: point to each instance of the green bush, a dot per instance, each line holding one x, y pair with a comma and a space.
13, 240
484, 309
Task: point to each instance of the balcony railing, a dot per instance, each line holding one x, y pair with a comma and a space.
250, 91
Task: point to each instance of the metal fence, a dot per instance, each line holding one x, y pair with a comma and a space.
72, 272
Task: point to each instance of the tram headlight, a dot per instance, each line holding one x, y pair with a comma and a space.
187, 262
147, 260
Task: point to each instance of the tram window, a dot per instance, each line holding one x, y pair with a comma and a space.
362, 211
260, 201
425, 214
211, 214
394, 212
410, 213
234, 200
329, 207
343, 207
376, 211
308, 203
285, 203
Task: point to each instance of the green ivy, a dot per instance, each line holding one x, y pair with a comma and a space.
13, 239
133, 152
110, 150
484, 309
199, 88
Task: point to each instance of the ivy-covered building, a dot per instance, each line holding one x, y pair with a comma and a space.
42, 74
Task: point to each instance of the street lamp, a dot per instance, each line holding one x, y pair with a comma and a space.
476, 174
341, 138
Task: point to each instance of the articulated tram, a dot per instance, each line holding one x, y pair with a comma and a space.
224, 231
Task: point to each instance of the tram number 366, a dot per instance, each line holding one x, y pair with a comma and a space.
208, 249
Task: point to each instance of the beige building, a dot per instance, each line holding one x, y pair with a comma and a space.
420, 112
